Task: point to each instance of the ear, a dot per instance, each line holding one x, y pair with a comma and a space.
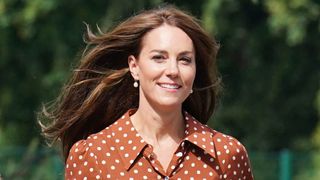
134, 67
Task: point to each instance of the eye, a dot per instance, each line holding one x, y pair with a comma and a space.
158, 58
186, 60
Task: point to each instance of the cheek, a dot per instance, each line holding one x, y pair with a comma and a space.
149, 72
191, 81
194, 72
189, 76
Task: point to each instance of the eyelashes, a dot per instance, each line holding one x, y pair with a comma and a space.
186, 59
158, 57
161, 58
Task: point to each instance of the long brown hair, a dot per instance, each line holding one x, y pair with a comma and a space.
101, 91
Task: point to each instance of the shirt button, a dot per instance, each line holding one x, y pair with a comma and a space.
179, 154
166, 178
151, 156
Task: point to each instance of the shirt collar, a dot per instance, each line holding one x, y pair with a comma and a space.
129, 148
199, 135
131, 144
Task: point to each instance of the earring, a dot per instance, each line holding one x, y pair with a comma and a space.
135, 84
191, 91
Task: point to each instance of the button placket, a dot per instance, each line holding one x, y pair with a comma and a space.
150, 156
177, 159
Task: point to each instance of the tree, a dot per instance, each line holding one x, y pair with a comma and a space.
270, 70
269, 61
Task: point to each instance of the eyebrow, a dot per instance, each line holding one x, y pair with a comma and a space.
159, 51
165, 52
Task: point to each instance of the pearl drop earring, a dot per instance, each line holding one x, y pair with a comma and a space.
135, 84
191, 91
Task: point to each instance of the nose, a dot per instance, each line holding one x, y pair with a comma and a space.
172, 68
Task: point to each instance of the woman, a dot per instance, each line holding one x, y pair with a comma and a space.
136, 106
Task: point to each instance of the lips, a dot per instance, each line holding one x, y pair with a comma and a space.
169, 85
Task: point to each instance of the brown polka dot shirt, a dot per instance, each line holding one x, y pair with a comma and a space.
118, 152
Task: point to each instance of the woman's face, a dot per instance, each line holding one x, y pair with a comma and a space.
165, 68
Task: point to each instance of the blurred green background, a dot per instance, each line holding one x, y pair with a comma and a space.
269, 61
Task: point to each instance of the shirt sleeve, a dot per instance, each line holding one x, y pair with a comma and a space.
82, 162
234, 160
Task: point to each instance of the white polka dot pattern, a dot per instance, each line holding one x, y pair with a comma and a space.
118, 152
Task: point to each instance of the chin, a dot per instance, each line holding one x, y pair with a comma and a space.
170, 104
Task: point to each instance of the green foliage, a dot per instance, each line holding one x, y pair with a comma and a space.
32, 162
292, 17
270, 82
269, 61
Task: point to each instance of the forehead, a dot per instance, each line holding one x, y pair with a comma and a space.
168, 38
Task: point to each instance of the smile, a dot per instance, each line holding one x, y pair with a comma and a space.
169, 86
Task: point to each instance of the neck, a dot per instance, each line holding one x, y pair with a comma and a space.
156, 126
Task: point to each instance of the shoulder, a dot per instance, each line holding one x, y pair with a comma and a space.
224, 145
227, 144
223, 142
232, 156
92, 144
96, 143
84, 156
